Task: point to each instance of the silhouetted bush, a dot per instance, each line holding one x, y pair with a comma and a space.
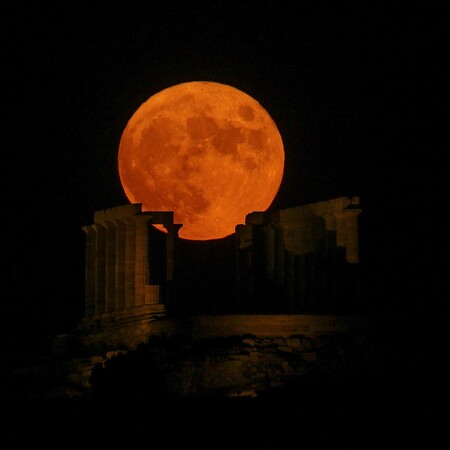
131, 376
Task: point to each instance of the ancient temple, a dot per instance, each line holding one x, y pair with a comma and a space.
129, 266
301, 260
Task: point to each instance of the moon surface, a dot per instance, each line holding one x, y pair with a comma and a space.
204, 150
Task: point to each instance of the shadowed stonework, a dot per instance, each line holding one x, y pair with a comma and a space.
302, 259
287, 278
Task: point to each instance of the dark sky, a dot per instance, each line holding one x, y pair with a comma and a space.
357, 90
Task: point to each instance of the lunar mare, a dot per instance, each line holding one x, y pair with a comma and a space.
207, 151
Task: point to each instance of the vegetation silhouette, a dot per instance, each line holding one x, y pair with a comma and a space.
127, 376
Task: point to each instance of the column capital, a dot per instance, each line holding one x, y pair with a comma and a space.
88, 229
339, 214
118, 223
108, 223
174, 227
352, 212
128, 220
98, 227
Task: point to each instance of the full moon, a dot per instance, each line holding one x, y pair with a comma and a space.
204, 150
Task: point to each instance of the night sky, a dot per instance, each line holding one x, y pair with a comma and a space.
356, 89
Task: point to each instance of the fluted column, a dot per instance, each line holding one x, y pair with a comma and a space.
89, 305
110, 266
141, 260
119, 281
341, 232
352, 235
330, 230
130, 256
99, 268
330, 221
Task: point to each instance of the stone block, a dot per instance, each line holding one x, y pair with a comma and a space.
113, 353
97, 359
309, 356
294, 342
240, 357
255, 356
287, 369
285, 348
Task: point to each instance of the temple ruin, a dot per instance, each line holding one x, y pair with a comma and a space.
303, 258
129, 267
300, 260
293, 284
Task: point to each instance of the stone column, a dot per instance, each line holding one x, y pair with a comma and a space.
341, 232
330, 221
100, 249
141, 269
110, 266
352, 235
130, 261
119, 281
172, 238
330, 230
171, 260
89, 305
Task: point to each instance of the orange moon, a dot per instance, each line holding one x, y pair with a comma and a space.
204, 150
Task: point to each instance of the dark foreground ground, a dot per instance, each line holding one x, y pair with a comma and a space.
403, 402
318, 416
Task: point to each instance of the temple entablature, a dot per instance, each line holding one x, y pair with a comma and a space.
129, 211
307, 228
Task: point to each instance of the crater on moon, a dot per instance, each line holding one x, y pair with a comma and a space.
205, 150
